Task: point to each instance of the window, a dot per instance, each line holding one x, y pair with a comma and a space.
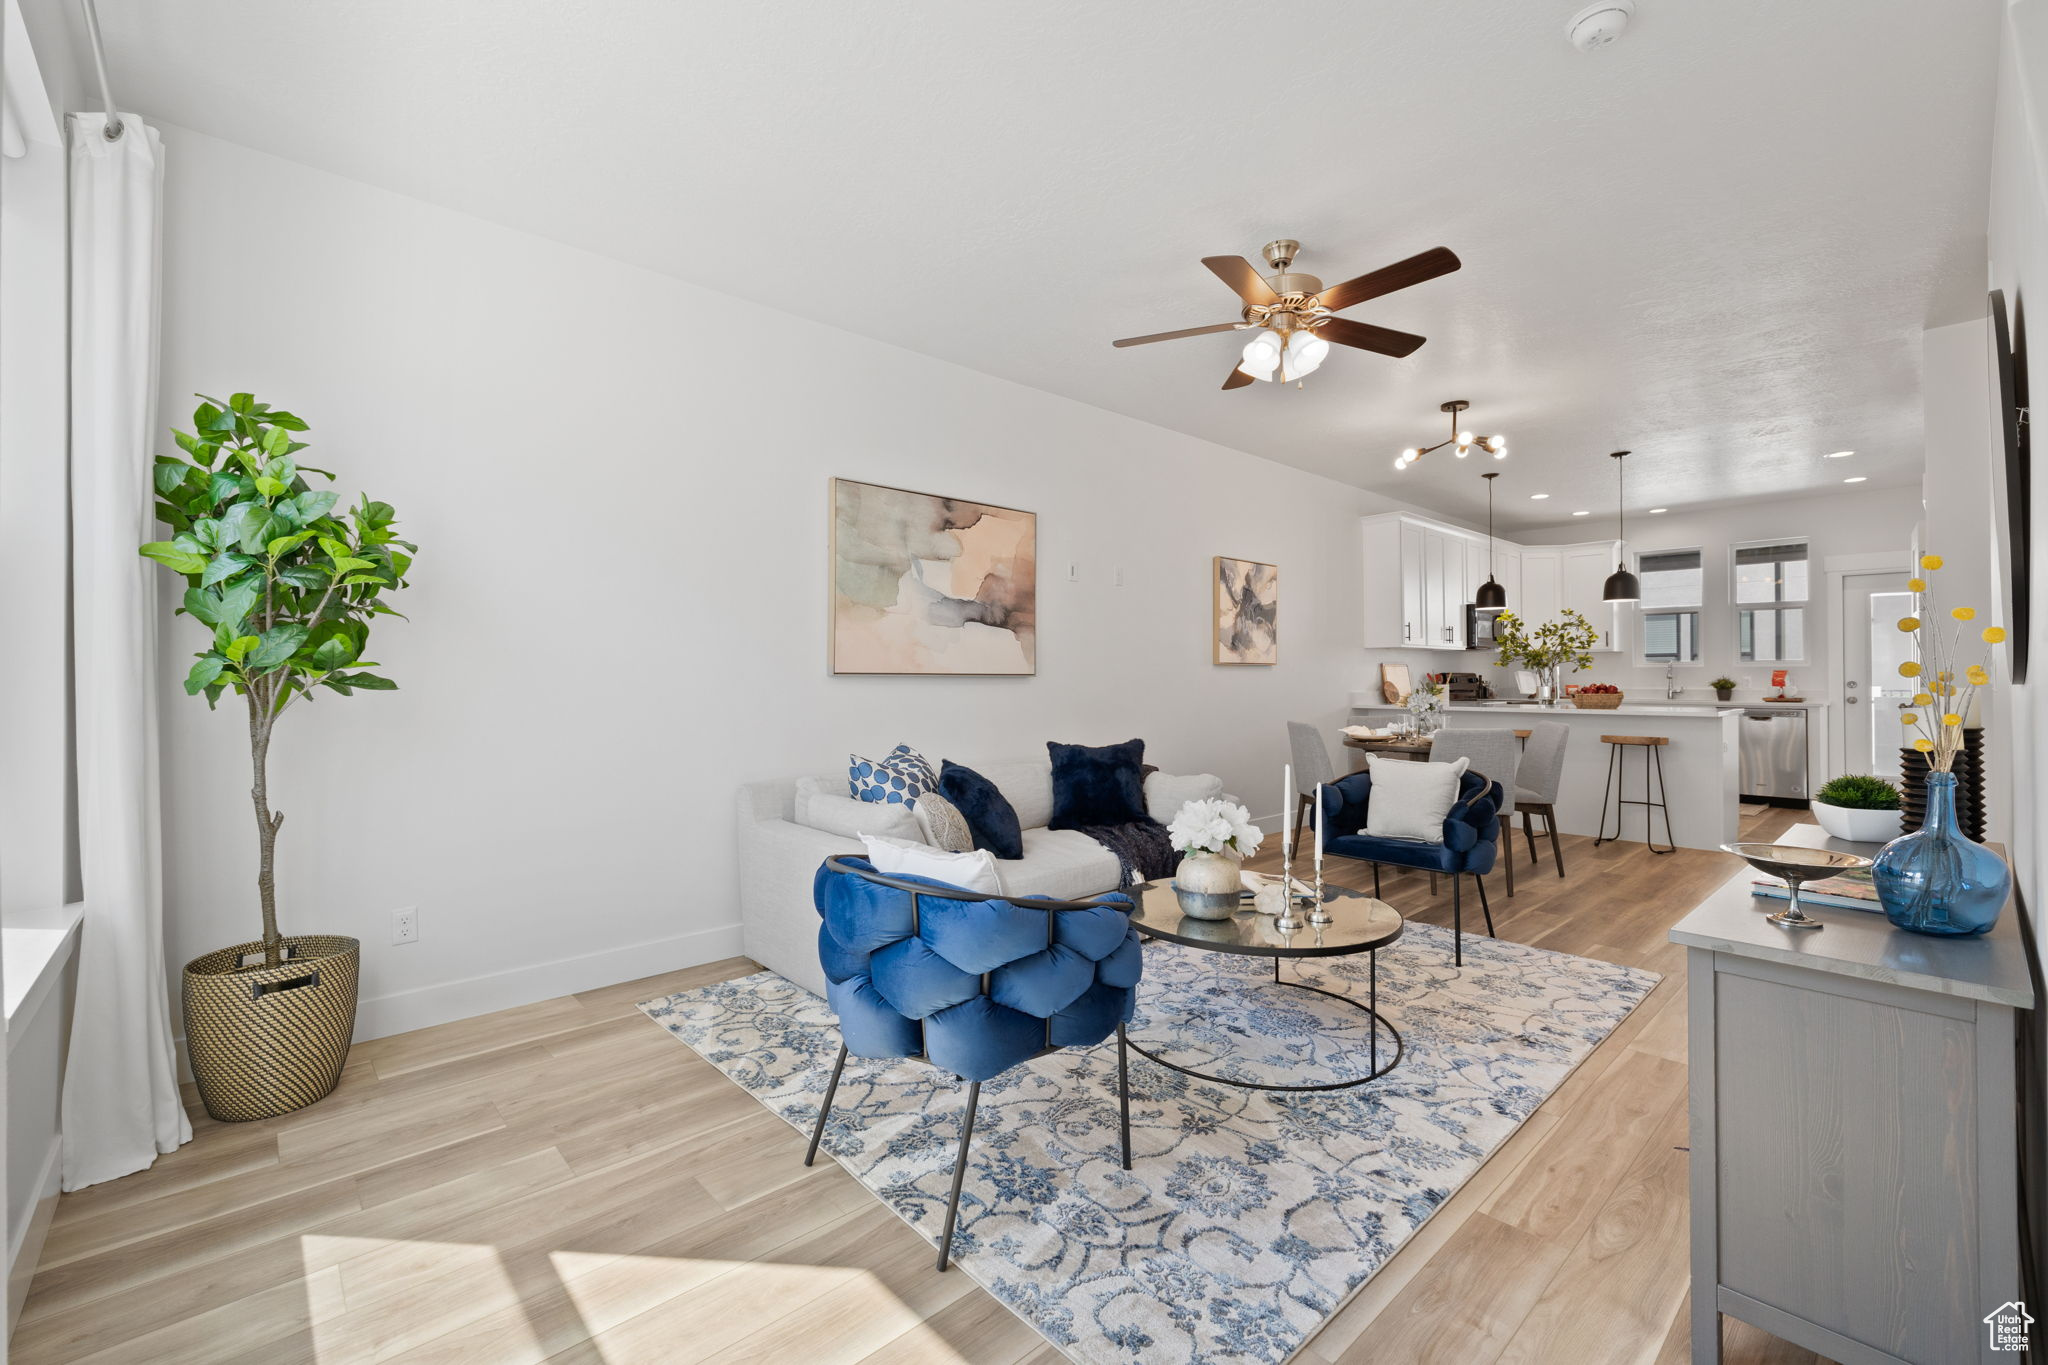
1770, 602
1673, 585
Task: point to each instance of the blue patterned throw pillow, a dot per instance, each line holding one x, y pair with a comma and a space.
899, 779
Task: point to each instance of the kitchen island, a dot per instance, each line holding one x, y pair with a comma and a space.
1701, 769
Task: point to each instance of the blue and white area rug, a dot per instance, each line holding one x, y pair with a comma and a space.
1248, 1218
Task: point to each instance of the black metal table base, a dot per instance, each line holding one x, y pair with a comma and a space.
1369, 1008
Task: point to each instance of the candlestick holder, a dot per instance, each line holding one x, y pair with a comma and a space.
1290, 919
1319, 910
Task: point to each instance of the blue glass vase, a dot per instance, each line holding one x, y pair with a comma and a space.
1937, 880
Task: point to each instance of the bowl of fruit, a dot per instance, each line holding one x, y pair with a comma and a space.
1597, 697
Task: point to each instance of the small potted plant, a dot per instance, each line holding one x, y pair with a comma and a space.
1862, 809
1724, 688
1211, 836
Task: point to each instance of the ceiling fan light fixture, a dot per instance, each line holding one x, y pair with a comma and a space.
1261, 355
1302, 355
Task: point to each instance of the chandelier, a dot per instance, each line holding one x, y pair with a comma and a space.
1465, 441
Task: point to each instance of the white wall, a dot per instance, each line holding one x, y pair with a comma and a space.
619, 486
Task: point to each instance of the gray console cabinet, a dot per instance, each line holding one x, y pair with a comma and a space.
1854, 1163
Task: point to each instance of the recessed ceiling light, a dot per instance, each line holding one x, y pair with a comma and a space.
1582, 514
1857, 479
1838, 455
1538, 497
1658, 511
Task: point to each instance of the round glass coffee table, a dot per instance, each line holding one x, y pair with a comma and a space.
1361, 925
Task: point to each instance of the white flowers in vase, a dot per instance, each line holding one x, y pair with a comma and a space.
1427, 704
1214, 826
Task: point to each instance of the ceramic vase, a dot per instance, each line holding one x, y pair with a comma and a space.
1208, 885
1937, 880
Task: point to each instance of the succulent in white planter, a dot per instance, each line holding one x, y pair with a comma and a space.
1861, 809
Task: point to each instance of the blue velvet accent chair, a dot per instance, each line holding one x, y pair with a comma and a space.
1471, 836
973, 984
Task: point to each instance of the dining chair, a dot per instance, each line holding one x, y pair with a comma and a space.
974, 984
1536, 784
1311, 766
1495, 754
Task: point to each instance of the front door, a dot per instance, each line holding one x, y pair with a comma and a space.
1873, 692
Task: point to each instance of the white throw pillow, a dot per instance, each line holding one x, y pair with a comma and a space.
1166, 793
1411, 800
973, 871
836, 814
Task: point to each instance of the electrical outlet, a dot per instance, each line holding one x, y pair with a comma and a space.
1073, 571
405, 924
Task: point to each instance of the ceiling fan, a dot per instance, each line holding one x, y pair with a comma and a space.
1294, 315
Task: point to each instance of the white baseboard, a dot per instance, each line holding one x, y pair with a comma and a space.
27, 1249
404, 1011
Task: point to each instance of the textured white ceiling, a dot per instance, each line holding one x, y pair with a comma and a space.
1715, 242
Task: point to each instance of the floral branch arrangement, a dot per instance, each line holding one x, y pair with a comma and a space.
1428, 701
1946, 702
1567, 640
1214, 826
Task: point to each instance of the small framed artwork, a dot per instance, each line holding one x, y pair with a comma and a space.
928, 584
1247, 604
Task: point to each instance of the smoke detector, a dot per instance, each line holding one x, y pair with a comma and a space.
1595, 26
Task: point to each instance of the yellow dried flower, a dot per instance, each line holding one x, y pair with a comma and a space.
1930, 561
1922, 699
1909, 623
1909, 719
1994, 635
1945, 676
1924, 745
1978, 675
1951, 719
1909, 669
1916, 585
1964, 613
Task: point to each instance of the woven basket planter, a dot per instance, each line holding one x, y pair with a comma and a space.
268, 1040
1596, 701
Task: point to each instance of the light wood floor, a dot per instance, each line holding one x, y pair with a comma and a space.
566, 1182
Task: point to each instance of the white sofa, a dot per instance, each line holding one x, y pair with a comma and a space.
779, 855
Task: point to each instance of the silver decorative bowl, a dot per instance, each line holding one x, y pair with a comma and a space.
1796, 866
1208, 904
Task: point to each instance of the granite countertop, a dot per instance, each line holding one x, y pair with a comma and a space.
1860, 943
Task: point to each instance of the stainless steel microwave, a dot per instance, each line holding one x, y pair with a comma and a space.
1479, 626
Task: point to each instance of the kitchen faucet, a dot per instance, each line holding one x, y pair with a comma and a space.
1671, 687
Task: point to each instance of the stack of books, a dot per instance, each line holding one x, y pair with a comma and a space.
1850, 891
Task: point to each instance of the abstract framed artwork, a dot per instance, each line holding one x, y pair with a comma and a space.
1246, 629
928, 584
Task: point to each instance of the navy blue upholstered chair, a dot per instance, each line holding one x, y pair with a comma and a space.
973, 984
1471, 834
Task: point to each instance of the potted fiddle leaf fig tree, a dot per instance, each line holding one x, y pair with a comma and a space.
286, 584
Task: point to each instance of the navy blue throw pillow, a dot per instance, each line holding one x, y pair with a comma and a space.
990, 816
1104, 786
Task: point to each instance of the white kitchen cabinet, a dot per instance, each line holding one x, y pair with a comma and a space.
1583, 575
1542, 584
1416, 583
1447, 619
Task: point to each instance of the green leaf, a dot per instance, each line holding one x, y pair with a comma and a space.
287, 421
349, 562
269, 487
226, 487
238, 601
224, 565
303, 577
286, 544
378, 514
170, 556
172, 516
203, 673
169, 473
203, 604
248, 525
333, 653
209, 418
334, 548
240, 402
312, 505
240, 646
368, 681
274, 440
278, 644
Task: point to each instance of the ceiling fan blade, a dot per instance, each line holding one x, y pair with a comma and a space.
1183, 332
1367, 337
1237, 272
1238, 379
1425, 266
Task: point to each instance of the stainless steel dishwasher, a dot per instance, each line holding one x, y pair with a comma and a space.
1773, 753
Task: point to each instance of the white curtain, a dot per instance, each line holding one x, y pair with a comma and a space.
121, 1105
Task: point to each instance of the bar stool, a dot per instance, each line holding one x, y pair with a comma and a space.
1653, 751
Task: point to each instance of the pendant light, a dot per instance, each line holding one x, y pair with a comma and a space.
1490, 594
1621, 585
